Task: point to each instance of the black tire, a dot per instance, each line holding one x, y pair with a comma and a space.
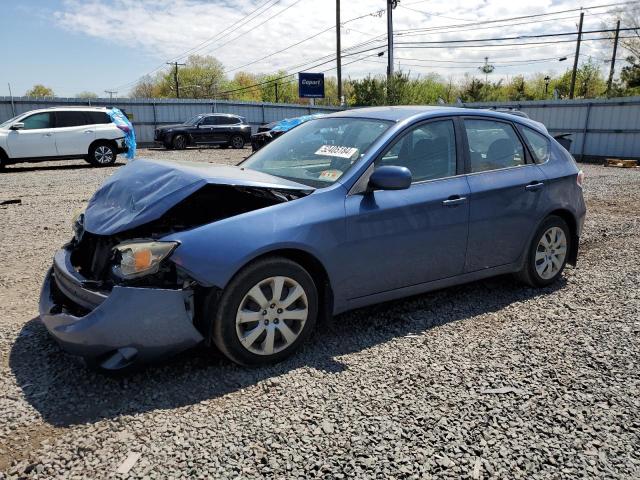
179, 142
529, 273
167, 144
222, 313
237, 141
102, 154
3, 160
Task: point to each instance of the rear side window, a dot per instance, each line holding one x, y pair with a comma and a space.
493, 145
38, 120
228, 121
539, 145
70, 119
97, 118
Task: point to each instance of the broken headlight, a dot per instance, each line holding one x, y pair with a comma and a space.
137, 259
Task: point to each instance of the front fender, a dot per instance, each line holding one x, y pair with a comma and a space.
212, 254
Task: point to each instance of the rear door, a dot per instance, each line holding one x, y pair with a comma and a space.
399, 238
507, 193
36, 139
74, 134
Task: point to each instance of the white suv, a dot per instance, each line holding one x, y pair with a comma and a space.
61, 132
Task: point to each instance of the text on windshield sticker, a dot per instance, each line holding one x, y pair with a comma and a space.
337, 151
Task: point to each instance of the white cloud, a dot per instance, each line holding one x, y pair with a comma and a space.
167, 28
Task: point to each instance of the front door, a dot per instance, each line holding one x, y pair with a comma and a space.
507, 194
407, 237
206, 130
73, 133
36, 139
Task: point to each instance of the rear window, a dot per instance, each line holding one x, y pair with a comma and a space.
228, 121
98, 118
538, 144
70, 119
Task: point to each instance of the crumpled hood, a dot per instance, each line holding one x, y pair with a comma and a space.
143, 190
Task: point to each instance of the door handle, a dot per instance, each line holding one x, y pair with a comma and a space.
534, 186
47, 134
454, 201
88, 131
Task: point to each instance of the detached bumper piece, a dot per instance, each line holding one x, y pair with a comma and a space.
118, 328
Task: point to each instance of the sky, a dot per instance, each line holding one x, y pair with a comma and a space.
97, 45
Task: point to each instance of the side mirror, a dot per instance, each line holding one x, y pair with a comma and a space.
17, 126
390, 178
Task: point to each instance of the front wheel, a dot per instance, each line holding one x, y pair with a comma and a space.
265, 313
548, 253
179, 142
237, 141
102, 154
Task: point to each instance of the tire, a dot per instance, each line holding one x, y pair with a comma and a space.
167, 145
267, 338
102, 154
237, 141
548, 253
3, 160
179, 142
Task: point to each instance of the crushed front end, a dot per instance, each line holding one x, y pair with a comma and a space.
113, 321
113, 294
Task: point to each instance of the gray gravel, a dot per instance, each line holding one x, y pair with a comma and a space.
491, 379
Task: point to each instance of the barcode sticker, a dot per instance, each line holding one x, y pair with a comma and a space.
337, 151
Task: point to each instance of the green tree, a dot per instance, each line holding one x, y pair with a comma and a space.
630, 74
87, 95
39, 90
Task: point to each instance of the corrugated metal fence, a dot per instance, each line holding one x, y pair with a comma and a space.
598, 128
150, 113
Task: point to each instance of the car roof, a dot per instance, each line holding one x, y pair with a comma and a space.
421, 112
220, 115
75, 107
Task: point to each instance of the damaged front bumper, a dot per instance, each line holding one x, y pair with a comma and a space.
117, 328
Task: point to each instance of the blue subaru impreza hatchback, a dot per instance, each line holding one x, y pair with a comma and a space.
351, 209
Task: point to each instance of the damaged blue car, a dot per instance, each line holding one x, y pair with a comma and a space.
354, 208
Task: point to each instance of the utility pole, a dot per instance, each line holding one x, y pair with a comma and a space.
338, 52
613, 58
13, 106
111, 93
391, 4
276, 85
175, 75
575, 60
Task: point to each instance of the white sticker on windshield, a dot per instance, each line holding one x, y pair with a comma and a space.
337, 151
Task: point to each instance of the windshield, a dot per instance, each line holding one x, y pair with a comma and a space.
194, 120
318, 152
10, 121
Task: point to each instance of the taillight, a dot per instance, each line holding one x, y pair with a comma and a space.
124, 128
580, 178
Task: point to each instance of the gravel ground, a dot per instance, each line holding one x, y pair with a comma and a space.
490, 379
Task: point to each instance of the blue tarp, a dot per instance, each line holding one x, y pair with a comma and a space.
122, 122
288, 123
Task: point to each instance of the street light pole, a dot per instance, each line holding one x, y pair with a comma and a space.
338, 52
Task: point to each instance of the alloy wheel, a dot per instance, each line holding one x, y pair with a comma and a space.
103, 154
551, 253
237, 142
272, 315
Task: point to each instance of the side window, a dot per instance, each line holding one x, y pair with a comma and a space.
493, 145
38, 120
210, 121
98, 118
70, 119
228, 120
538, 143
428, 151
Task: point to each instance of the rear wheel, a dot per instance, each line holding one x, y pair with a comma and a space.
265, 313
237, 141
102, 154
548, 253
179, 142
